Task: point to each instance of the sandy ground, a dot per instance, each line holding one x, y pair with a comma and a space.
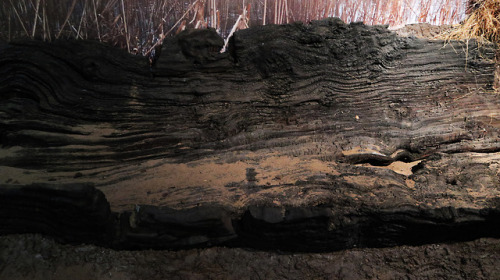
35, 257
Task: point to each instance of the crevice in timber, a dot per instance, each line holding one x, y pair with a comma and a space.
488, 150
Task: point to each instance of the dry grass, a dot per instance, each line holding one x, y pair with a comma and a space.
482, 24
139, 25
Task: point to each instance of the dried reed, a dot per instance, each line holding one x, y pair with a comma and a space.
482, 23
140, 25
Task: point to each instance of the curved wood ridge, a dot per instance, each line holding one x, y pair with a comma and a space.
303, 137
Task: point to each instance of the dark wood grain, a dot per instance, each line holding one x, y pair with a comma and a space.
316, 136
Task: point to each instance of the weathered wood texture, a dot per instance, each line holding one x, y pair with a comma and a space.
301, 137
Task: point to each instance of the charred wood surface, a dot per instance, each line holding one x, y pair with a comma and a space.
301, 137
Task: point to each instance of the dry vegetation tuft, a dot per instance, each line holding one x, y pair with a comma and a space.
481, 24
140, 25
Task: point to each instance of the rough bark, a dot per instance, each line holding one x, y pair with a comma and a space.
301, 137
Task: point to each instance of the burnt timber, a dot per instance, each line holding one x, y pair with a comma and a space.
301, 137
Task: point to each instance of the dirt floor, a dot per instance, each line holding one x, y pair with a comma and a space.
37, 257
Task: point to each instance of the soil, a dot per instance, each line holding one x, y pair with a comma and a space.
425, 30
36, 257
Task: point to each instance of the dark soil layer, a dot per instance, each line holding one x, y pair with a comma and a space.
35, 258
